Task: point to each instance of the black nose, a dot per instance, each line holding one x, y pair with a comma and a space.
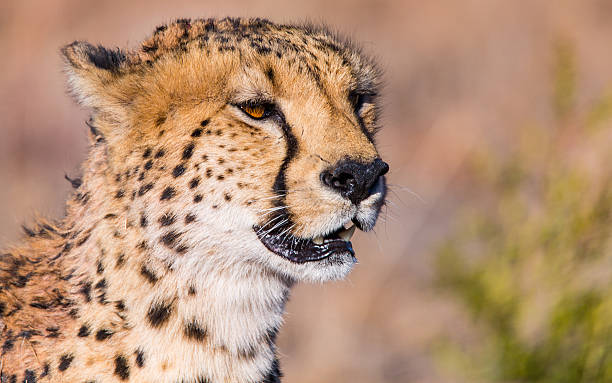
353, 179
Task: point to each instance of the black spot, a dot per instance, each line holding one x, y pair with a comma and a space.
99, 267
2, 309
197, 198
84, 198
122, 370
120, 305
45, 370
178, 171
159, 313
53, 332
11, 379
101, 284
85, 290
209, 172
67, 247
84, 331
150, 48
247, 353
148, 165
189, 218
160, 120
169, 238
167, 219
188, 151
168, 193
27, 334
65, 361
204, 123
145, 188
194, 331
148, 274
147, 153
227, 197
84, 239
219, 132
194, 183
140, 359
102, 298
220, 177
29, 376
8, 343
196, 133
143, 221
191, 291
103, 334
40, 305
270, 75
29, 232
181, 249
120, 260
22, 280
160, 153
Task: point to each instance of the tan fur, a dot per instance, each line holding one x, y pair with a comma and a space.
155, 273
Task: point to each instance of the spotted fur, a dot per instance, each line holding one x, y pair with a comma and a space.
156, 273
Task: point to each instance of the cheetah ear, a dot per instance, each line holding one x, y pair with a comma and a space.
94, 75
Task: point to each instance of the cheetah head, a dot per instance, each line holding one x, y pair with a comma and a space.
267, 134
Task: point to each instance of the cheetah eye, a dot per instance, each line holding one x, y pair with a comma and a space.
257, 111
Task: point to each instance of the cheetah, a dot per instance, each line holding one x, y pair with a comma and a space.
228, 160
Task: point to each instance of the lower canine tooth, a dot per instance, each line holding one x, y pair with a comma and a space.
318, 240
347, 234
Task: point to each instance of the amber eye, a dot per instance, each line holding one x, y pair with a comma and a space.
255, 111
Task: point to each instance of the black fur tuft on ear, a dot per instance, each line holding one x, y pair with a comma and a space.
93, 73
109, 59
81, 54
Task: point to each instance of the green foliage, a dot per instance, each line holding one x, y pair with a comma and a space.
532, 259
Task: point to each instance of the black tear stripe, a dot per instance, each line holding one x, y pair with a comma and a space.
280, 183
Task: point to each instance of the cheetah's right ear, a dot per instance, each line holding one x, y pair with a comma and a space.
94, 74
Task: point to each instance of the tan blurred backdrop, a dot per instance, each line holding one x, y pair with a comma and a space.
460, 75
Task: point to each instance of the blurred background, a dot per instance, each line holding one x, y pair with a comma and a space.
492, 260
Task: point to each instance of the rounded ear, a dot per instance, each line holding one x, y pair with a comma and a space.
93, 73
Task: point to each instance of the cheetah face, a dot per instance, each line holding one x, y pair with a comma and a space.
325, 232
270, 130
327, 180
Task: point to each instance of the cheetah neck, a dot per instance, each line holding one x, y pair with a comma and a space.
164, 320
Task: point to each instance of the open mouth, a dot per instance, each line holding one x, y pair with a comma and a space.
301, 250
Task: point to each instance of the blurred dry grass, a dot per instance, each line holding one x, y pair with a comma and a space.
462, 76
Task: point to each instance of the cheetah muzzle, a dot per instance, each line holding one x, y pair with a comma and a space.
355, 183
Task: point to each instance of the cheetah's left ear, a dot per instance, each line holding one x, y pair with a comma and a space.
94, 74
